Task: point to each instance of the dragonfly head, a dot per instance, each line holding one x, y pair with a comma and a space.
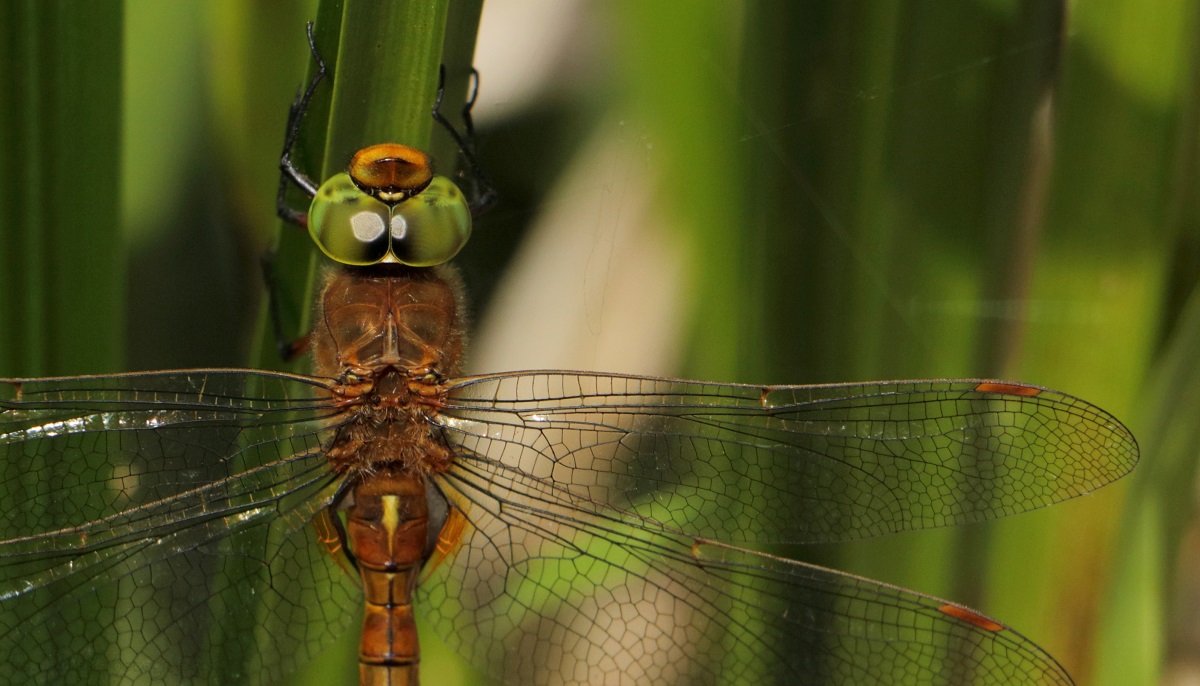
389, 208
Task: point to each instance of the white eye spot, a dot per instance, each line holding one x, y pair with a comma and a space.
367, 226
399, 227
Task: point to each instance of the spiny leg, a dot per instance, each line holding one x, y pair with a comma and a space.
289, 348
482, 194
288, 169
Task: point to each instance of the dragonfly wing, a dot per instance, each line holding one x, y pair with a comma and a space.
799, 464
154, 528
547, 587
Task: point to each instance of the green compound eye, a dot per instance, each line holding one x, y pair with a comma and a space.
354, 228
432, 226
348, 225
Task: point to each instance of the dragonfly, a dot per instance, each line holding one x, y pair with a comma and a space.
554, 527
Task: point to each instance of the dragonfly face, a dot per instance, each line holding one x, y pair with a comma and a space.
553, 527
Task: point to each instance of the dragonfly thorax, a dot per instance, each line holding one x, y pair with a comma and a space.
389, 335
387, 317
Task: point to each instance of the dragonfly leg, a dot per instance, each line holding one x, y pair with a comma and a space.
288, 170
285, 211
332, 533
289, 348
482, 194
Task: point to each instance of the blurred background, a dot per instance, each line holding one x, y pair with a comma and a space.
764, 191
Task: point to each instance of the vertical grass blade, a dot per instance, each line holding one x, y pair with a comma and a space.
61, 256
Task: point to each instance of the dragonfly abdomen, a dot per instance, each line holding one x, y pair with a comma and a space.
387, 527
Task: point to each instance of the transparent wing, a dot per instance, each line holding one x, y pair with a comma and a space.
598, 511
154, 528
545, 587
798, 464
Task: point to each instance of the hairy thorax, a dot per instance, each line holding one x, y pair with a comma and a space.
389, 337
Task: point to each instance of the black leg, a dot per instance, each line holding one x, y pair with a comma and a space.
285, 211
295, 118
482, 194
289, 349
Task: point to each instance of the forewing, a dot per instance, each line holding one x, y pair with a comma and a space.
154, 528
802, 464
542, 586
